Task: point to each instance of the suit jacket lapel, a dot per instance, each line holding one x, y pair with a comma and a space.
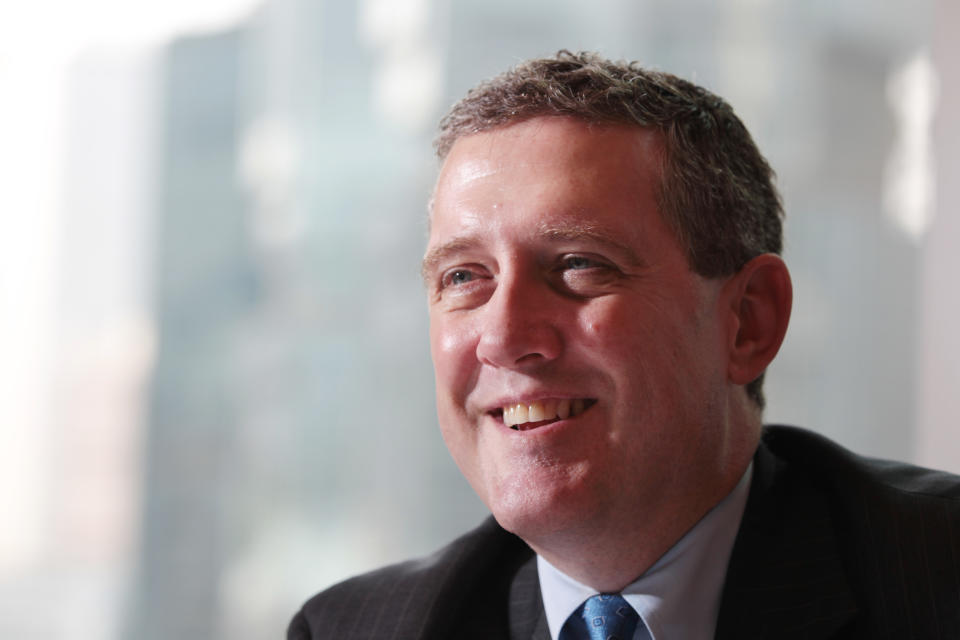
786, 578
528, 620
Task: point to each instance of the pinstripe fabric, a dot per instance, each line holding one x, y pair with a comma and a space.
832, 545
483, 585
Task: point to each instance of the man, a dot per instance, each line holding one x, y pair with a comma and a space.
605, 293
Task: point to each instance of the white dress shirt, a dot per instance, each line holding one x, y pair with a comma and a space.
678, 598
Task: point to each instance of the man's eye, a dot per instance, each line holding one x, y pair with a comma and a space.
457, 277
579, 262
460, 276
585, 274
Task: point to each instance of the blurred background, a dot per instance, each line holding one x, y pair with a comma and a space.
215, 386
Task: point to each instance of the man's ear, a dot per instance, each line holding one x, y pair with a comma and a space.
760, 298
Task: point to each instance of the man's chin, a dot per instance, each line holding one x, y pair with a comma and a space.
536, 499
537, 519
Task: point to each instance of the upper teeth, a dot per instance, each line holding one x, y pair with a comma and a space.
543, 410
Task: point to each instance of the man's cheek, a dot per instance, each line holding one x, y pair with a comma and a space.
453, 348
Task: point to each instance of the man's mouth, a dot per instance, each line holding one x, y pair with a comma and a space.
521, 416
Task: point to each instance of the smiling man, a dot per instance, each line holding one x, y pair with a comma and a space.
605, 294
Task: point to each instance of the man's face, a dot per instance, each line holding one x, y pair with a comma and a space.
560, 300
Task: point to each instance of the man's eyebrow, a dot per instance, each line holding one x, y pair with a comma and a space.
574, 231
441, 253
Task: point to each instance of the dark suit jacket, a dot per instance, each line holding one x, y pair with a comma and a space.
832, 545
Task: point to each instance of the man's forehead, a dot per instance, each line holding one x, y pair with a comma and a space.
589, 151
476, 155
464, 164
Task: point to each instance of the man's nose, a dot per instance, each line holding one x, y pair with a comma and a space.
520, 324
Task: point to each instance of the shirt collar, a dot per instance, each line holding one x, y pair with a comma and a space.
679, 596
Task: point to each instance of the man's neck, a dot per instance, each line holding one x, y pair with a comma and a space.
610, 555
679, 596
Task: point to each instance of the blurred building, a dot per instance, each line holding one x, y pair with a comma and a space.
291, 410
205, 285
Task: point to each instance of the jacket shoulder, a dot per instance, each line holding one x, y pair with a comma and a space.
829, 463
896, 526
412, 599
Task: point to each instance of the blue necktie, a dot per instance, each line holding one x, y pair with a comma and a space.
602, 617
